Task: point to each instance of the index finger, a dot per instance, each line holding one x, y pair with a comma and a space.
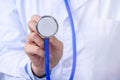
35, 18
33, 22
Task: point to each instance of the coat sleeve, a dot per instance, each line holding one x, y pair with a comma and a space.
14, 64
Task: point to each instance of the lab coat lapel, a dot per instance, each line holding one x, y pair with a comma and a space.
74, 5
21, 13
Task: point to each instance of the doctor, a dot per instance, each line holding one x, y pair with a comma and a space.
97, 27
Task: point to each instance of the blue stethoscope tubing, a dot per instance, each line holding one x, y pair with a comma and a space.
46, 44
73, 39
47, 60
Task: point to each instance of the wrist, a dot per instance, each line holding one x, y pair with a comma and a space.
38, 71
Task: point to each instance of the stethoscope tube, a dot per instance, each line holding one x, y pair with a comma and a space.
73, 39
47, 26
47, 60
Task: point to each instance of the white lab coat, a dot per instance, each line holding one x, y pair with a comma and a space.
97, 26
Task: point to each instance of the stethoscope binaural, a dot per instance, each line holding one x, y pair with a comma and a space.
47, 26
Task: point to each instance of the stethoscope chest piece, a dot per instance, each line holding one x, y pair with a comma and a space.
47, 26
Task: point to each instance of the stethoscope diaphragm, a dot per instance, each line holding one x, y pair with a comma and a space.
47, 26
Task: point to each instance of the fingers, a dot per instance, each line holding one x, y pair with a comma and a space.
32, 26
32, 50
33, 22
35, 18
56, 48
55, 42
35, 38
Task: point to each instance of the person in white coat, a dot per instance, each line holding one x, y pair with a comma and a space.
97, 27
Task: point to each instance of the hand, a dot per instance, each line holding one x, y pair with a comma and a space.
34, 48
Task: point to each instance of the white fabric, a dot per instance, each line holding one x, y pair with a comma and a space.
97, 25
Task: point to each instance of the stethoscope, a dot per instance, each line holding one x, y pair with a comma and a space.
47, 26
